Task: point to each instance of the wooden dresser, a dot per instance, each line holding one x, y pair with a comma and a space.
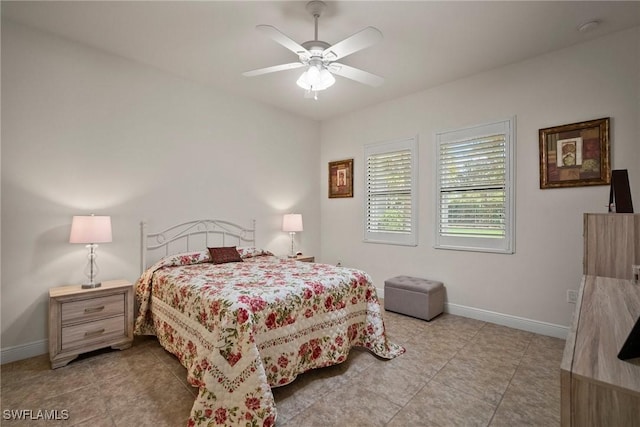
597, 388
82, 320
611, 244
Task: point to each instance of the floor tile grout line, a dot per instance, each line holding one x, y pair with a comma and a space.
349, 380
470, 341
515, 371
432, 378
172, 373
408, 401
390, 401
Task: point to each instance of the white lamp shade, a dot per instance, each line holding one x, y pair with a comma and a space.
292, 222
303, 81
90, 229
316, 79
326, 78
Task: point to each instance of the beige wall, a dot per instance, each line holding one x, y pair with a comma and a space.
84, 131
597, 79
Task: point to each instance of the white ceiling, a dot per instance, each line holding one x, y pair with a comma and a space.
426, 43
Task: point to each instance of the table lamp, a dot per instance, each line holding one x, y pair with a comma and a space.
292, 223
91, 229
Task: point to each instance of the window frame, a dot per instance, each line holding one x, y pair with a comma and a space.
392, 146
505, 245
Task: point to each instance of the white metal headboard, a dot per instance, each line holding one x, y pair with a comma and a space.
186, 236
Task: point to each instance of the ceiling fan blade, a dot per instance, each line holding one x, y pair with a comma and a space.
360, 40
283, 39
273, 69
356, 74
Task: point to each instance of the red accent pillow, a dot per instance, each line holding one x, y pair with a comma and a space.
224, 254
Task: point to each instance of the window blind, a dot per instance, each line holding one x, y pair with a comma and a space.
390, 206
389, 192
473, 187
474, 171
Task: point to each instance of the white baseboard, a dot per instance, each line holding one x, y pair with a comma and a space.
24, 351
529, 325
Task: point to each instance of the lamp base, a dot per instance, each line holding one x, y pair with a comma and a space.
292, 256
91, 285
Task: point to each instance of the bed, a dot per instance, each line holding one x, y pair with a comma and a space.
243, 327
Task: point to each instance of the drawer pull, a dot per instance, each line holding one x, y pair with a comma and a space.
96, 332
93, 309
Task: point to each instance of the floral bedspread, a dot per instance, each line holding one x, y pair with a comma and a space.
242, 328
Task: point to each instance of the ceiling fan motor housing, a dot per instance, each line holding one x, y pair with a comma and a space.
318, 45
315, 48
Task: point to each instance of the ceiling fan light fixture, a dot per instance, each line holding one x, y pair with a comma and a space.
316, 79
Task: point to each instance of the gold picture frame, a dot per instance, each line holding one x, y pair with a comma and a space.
341, 179
575, 155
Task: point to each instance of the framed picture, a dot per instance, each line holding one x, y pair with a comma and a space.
341, 178
575, 155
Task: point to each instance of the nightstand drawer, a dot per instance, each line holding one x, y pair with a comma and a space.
86, 310
86, 334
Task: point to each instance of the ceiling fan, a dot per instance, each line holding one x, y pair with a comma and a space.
319, 57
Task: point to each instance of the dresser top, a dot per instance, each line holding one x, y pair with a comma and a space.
608, 310
106, 285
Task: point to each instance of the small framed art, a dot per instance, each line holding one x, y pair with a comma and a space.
575, 155
341, 178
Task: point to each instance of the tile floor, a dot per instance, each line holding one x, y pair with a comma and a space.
456, 372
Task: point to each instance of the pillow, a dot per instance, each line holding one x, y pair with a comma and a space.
224, 254
251, 252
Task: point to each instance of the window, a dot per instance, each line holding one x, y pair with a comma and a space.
391, 176
474, 188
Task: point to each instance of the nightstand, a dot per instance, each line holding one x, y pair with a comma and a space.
82, 320
305, 258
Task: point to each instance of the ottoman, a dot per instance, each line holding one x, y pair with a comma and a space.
414, 297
